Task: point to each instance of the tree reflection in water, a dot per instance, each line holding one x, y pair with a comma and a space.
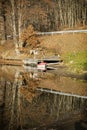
24, 108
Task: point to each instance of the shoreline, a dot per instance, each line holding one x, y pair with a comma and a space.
65, 79
16, 62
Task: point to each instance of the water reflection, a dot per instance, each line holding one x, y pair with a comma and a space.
24, 107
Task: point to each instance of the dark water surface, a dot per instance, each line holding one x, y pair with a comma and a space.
36, 100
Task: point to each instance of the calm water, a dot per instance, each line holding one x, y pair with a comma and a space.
36, 100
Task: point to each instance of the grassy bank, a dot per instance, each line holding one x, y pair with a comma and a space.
77, 62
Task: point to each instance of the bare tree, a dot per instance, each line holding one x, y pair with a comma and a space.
3, 21
14, 22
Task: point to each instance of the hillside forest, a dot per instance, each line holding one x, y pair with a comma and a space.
43, 15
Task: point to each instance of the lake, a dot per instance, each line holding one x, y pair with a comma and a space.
31, 99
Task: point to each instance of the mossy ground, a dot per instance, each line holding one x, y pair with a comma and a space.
77, 62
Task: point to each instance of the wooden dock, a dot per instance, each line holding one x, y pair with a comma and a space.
46, 60
50, 60
26, 61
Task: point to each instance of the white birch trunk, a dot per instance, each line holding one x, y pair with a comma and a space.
14, 24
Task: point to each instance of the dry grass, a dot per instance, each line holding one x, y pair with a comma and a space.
65, 43
51, 45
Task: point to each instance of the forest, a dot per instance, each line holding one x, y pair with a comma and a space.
43, 15
27, 94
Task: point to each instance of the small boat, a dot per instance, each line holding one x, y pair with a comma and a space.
34, 64
42, 66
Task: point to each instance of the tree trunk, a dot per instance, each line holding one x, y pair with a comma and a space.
20, 8
3, 31
14, 23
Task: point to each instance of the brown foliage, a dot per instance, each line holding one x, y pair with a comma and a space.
27, 94
50, 3
29, 36
28, 32
37, 11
